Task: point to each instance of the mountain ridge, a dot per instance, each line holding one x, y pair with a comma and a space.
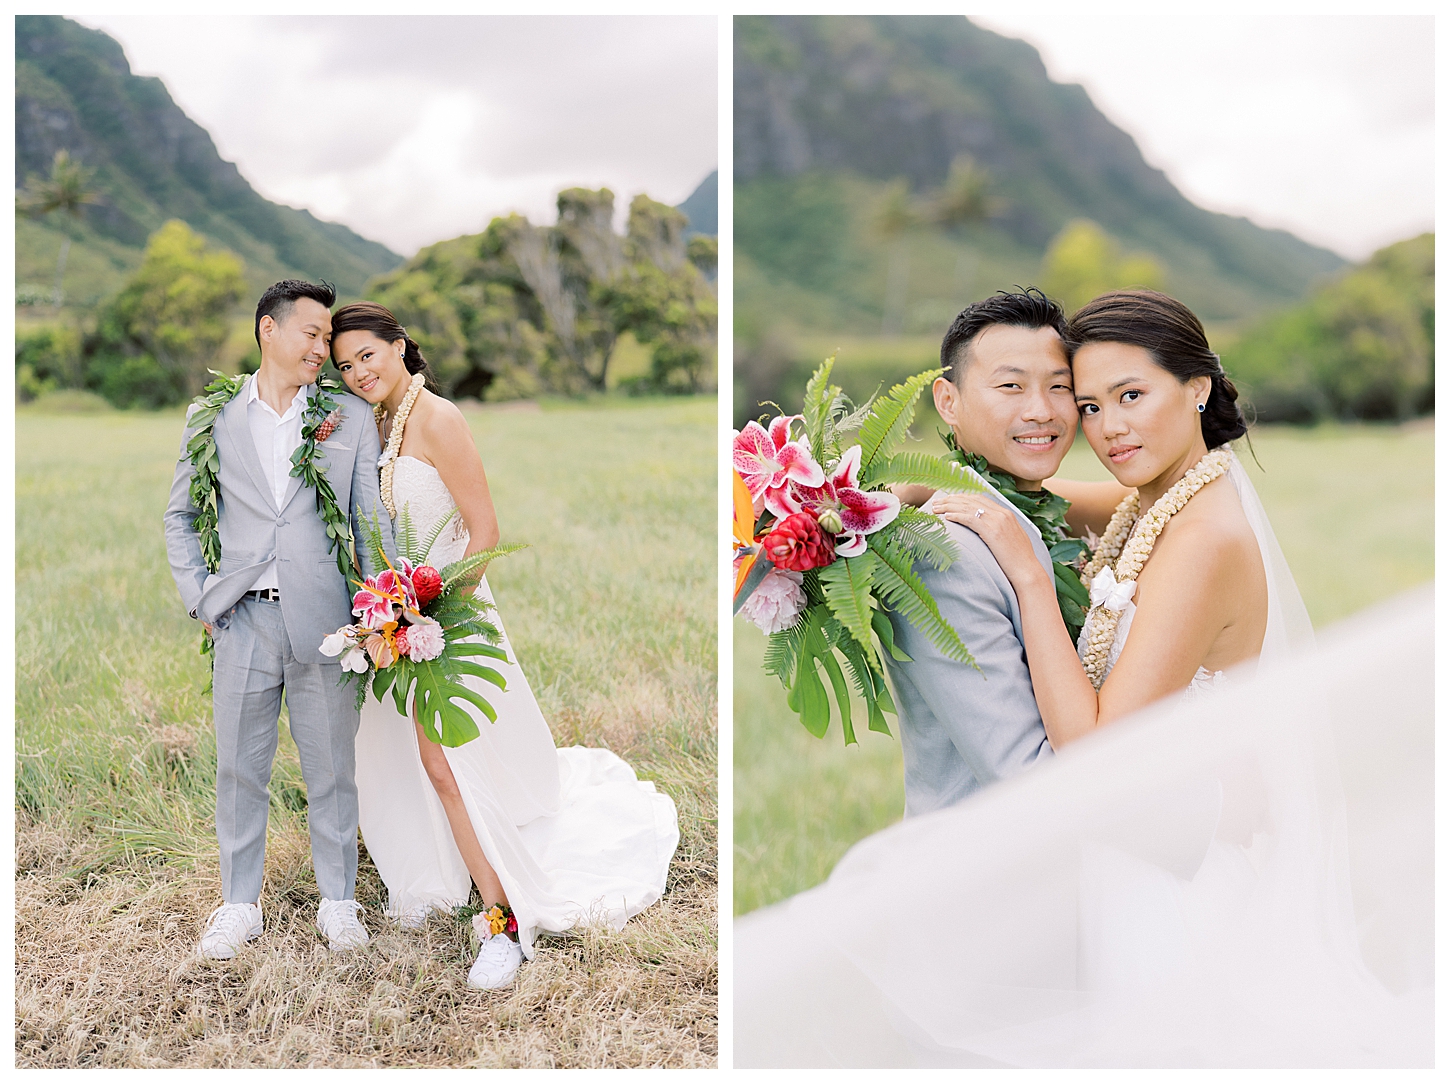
75, 91
883, 97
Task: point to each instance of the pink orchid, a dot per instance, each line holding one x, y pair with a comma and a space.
769, 461
861, 512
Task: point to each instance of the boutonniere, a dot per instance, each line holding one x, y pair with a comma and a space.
328, 426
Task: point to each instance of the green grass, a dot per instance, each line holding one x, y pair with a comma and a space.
612, 613
1353, 508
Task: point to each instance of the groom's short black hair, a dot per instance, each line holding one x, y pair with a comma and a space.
281, 296
1029, 308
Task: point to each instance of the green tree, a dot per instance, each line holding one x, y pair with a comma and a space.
1083, 261
1361, 347
67, 190
158, 336
46, 359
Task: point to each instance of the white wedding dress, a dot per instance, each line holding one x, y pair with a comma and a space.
1238, 879
573, 835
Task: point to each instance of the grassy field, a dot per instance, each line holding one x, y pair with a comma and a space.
1353, 507
612, 614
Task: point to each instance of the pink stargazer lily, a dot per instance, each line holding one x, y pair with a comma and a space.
379, 594
769, 461
861, 513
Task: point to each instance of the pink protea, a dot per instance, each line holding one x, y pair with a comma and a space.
861, 512
769, 460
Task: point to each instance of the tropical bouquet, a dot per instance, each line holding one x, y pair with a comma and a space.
420, 628
824, 551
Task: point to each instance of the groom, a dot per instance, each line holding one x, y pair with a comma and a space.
277, 593
1007, 395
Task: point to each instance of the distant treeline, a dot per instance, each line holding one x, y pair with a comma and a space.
1362, 346
517, 310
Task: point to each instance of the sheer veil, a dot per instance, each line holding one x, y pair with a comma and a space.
1288, 629
1244, 879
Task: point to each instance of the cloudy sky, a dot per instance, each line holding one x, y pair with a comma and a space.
1323, 126
413, 129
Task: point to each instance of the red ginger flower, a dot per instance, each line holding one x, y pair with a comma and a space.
798, 544
427, 583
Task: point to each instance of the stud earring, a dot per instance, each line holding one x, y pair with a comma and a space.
1202, 407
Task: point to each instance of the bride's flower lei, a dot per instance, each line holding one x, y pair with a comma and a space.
319, 420
1126, 544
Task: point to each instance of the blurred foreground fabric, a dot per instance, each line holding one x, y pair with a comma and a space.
1245, 880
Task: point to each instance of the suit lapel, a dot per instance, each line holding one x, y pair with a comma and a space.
233, 421
295, 483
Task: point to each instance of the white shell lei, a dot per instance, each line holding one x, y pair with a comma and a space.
1129, 545
395, 440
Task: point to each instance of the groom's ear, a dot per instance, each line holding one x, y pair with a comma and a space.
946, 396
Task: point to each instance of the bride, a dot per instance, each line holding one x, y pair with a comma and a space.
1181, 888
550, 837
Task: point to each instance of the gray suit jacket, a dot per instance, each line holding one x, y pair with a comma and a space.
961, 728
316, 600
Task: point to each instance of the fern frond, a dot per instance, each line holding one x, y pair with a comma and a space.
820, 397
847, 586
782, 652
459, 569
888, 422
904, 592
923, 537
405, 537
434, 534
921, 468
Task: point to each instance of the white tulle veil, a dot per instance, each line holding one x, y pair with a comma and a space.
1240, 880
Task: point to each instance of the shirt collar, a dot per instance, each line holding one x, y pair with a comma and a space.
253, 396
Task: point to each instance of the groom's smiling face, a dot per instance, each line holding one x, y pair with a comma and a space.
296, 342
1012, 400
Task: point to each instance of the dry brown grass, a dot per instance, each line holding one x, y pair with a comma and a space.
107, 973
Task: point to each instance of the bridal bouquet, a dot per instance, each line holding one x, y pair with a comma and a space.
823, 550
413, 629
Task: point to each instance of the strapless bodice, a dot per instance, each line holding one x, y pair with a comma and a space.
1203, 682
419, 488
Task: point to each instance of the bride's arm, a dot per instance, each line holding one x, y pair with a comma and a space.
1162, 653
450, 447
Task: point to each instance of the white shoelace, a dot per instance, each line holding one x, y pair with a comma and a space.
336, 911
234, 924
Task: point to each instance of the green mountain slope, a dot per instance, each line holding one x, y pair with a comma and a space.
829, 110
74, 91
702, 206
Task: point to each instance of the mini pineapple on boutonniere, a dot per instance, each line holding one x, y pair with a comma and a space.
328, 426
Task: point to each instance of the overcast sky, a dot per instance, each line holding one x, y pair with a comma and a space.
414, 129
1322, 124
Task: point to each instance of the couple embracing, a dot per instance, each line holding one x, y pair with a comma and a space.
293, 469
1175, 891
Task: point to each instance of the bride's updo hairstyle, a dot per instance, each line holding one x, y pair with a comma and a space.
370, 316
1169, 331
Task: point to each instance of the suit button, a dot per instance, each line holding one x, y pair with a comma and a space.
281, 523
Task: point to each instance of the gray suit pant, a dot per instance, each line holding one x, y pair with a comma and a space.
254, 664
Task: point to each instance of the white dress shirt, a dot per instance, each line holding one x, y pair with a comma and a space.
276, 438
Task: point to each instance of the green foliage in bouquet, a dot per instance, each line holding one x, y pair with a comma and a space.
849, 599
436, 684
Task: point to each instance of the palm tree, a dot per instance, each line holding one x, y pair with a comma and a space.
67, 190
963, 200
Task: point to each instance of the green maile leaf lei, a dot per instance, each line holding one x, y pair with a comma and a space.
205, 489
1048, 513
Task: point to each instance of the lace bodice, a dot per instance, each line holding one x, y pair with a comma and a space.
418, 487
1205, 681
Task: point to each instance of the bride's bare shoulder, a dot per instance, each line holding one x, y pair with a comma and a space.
440, 423
1212, 535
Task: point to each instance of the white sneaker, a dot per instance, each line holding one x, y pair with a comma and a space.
228, 928
337, 919
498, 961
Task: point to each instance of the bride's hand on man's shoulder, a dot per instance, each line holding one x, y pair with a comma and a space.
910, 493
997, 526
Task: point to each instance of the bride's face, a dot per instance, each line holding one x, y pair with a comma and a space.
372, 367
1142, 423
